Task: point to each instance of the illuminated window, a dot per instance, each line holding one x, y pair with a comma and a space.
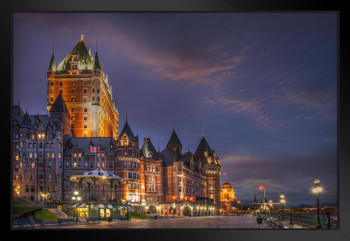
79, 154
74, 154
52, 155
74, 164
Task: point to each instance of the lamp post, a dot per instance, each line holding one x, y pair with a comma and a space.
174, 206
317, 189
76, 198
144, 207
282, 201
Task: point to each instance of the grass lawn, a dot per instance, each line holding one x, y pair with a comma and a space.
43, 213
138, 215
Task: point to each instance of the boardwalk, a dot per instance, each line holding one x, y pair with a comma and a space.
247, 221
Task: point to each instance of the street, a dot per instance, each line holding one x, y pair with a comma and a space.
247, 221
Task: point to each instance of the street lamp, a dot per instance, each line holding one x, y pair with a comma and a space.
317, 189
144, 207
282, 201
76, 198
174, 206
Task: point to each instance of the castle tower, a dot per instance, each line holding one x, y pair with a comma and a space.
128, 163
84, 87
211, 167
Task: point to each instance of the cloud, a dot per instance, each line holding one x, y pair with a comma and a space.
250, 107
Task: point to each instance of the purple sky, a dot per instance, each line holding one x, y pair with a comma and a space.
261, 85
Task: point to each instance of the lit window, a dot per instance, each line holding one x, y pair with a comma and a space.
74, 164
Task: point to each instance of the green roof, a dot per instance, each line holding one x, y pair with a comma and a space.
83, 54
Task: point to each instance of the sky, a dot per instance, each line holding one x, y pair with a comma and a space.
261, 87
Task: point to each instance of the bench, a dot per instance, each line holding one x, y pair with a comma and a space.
92, 220
24, 221
65, 220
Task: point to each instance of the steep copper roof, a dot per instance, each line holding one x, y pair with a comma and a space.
84, 56
174, 141
59, 105
127, 130
202, 147
52, 65
148, 148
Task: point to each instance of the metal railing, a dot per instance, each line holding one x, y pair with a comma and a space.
308, 220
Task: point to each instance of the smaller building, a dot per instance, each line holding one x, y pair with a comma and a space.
229, 202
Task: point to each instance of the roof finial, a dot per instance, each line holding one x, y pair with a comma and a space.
96, 45
53, 48
173, 127
202, 129
82, 36
126, 116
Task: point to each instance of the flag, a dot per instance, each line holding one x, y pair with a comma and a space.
261, 187
93, 149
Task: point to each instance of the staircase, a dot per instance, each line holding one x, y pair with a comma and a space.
58, 213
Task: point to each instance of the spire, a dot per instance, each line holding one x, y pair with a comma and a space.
202, 147
174, 142
97, 62
59, 105
52, 65
127, 130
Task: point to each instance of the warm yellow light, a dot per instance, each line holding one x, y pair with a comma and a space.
317, 189
75, 192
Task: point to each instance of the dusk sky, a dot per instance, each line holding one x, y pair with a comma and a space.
261, 86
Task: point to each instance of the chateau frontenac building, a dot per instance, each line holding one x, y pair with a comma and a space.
51, 151
84, 86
